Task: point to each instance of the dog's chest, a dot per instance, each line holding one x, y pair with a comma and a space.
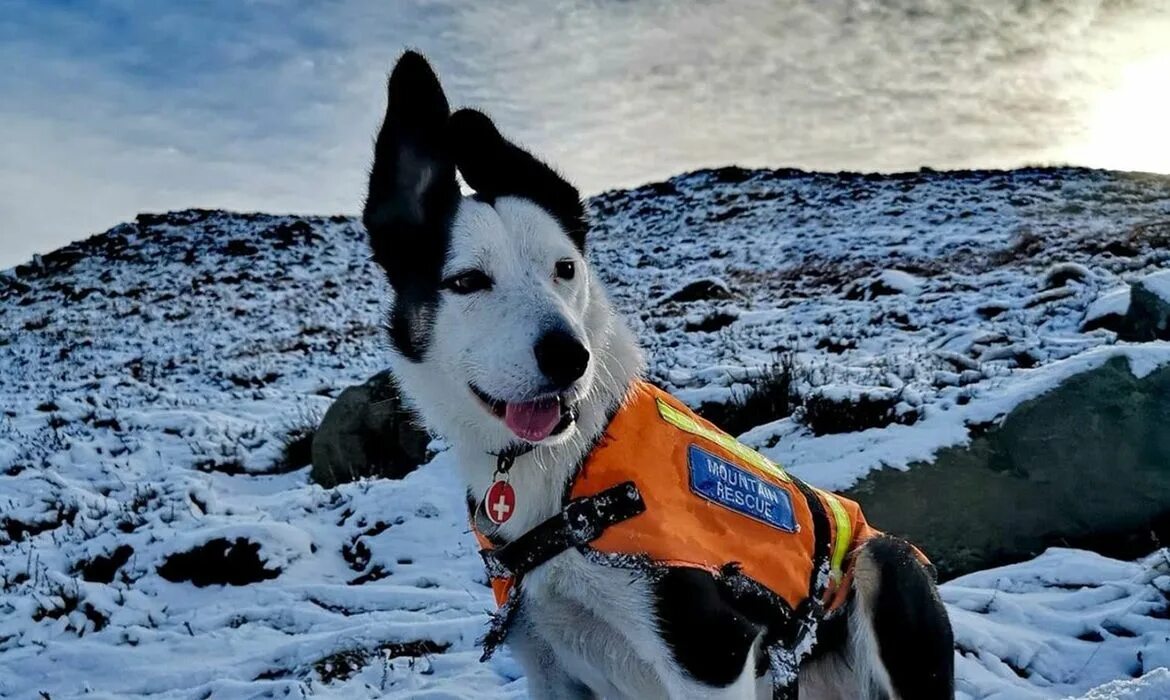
599, 623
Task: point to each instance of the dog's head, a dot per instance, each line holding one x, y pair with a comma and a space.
495, 318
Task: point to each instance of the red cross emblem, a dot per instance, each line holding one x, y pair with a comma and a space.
500, 502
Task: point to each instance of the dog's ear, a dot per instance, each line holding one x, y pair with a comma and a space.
413, 192
495, 167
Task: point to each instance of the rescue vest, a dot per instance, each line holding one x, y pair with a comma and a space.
666, 488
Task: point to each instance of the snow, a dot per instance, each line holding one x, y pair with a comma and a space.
1063, 621
839, 461
1153, 686
1113, 302
151, 374
900, 281
1158, 284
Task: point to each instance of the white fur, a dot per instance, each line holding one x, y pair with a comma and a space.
857, 672
586, 630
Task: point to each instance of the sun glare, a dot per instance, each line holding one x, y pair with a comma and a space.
1130, 127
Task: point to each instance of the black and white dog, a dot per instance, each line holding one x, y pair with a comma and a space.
503, 336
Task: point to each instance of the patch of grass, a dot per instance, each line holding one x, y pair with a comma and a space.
711, 322
111, 423
1025, 245
218, 561
770, 398
229, 466
231, 455
14, 530
828, 415
1154, 234
37, 324
297, 444
836, 345
102, 568
344, 664
63, 603
244, 381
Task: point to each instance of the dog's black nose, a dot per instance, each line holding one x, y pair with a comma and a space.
561, 357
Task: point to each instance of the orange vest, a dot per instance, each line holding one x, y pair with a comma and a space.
712, 503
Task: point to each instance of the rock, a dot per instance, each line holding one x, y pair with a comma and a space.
709, 322
899, 282
731, 174
1061, 274
1138, 313
1149, 309
993, 308
239, 248
1107, 311
1085, 465
368, 431
885, 283
289, 234
708, 288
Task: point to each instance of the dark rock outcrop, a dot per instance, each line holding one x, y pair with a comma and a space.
708, 289
1142, 317
368, 431
1085, 465
1149, 309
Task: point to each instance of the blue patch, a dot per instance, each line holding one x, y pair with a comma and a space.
731, 486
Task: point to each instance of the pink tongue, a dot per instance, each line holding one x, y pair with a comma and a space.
533, 420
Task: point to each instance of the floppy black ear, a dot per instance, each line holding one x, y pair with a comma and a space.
412, 198
413, 192
495, 167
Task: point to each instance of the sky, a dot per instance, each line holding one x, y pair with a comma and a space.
112, 107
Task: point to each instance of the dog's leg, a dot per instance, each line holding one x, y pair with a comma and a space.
714, 648
908, 621
547, 679
747, 686
897, 642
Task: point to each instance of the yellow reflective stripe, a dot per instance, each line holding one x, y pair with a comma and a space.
844, 533
684, 422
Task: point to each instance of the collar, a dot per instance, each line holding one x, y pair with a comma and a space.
506, 457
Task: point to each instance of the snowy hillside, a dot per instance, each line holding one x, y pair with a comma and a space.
157, 537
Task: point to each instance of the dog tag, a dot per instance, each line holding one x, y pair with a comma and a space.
500, 502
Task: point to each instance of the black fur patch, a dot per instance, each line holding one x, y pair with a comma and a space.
709, 637
495, 167
413, 196
911, 624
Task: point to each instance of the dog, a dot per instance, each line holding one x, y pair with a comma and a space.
504, 343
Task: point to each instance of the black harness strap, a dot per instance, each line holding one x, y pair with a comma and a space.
580, 522
786, 656
822, 541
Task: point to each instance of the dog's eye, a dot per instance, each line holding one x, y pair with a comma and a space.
468, 282
566, 269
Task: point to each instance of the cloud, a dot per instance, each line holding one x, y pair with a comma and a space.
115, 109
112, 107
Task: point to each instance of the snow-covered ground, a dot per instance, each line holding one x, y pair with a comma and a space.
149, 378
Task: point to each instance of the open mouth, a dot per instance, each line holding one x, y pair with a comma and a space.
533, 420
